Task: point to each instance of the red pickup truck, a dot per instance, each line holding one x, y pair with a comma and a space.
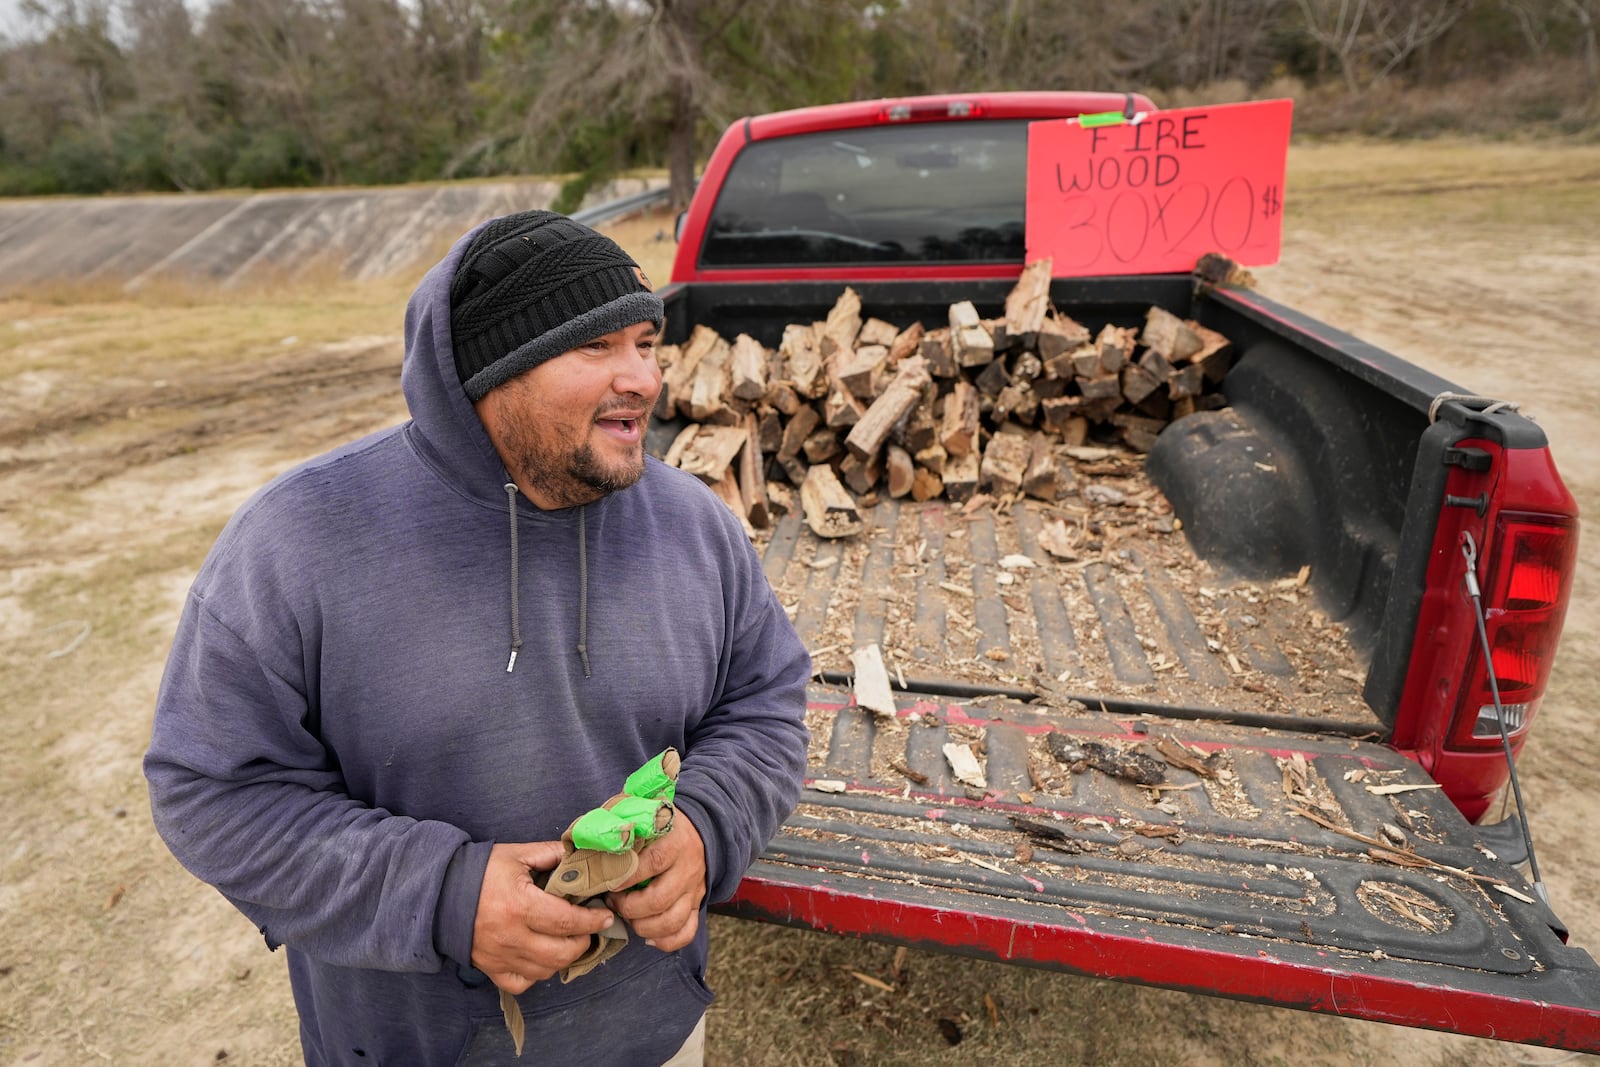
1290, 608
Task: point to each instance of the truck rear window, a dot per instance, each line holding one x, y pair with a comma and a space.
942, 192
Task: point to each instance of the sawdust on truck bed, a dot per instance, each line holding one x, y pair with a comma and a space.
1118, 608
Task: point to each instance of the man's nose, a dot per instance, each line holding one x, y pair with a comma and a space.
638, 372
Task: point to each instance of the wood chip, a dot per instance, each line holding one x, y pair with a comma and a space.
1055, 539
964, 765
985, 864
1181, 756
872, 689
875, 983
1508, 891
1391, 790
915, 776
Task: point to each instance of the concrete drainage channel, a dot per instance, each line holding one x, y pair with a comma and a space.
231, 238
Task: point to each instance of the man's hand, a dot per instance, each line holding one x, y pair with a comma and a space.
666, 913
523, 934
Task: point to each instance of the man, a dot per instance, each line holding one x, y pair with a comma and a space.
408, 665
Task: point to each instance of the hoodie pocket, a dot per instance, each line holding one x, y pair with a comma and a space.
644, 1018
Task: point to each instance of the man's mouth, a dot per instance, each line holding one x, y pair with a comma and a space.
624, 425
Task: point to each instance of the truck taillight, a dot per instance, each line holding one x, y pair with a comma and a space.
1524, 600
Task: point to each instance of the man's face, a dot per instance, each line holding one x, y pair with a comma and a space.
572, 429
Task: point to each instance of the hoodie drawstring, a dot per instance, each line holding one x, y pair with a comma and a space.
583, 590
516, 615
583, 584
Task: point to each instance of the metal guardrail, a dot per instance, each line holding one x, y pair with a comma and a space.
600, 214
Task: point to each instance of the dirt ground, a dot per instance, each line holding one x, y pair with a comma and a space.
130, 429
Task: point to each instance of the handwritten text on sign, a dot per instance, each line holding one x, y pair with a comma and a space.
1153, 196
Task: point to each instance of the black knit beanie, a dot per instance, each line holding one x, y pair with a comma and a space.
534, 285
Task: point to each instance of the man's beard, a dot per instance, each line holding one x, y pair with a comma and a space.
573, 477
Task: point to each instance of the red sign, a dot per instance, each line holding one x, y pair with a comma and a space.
1153, 195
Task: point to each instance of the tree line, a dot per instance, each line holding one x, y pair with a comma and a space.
137, 95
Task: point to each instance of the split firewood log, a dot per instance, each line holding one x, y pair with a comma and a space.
708, 393
906, 343
1168, 335
1060, 333
1216, 352
1028, 302
1005, 462
678, 379
970, 343
802, 359
958, 429
712, 451
829, 510
1116, 344
752, 482
748, 368
901, 471
1041, 480
936, 350
843, 324
862, 371
727, 489
876, 332
800, 426
961, 476
901, 395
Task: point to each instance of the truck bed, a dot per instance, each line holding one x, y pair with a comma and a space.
1182, 785
1284, 853
967, 598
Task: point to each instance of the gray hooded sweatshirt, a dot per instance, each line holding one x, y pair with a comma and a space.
338, 741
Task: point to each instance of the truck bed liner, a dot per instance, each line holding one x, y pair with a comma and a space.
1134, 620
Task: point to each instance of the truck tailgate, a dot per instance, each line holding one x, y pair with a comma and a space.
1282, 855
1277, 867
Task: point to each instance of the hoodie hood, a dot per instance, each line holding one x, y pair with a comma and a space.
445, 428
450, 438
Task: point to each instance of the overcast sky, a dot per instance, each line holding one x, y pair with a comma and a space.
10, 17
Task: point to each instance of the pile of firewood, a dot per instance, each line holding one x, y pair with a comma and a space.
973, 405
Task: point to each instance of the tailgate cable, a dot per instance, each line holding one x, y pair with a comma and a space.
1469, 549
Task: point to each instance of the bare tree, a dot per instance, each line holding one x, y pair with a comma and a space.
1372, 38
275, 49
1587, 14
79, 46
168, 87
1534, 31
665, 68
965, 45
